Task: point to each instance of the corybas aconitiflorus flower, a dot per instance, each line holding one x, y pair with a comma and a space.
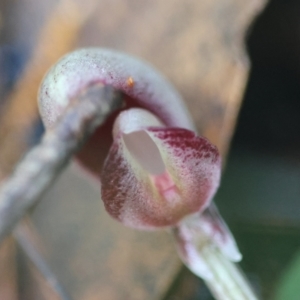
155, 175
155, 171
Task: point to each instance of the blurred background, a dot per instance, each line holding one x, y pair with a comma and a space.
249, 110
261, 182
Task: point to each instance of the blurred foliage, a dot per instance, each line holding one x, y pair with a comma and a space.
288, 285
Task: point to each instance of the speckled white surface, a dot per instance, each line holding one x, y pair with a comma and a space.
79, 69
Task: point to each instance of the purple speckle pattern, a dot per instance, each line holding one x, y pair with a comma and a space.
147, 201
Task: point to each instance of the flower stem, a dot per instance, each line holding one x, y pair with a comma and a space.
227, 281
42, 165
208, 249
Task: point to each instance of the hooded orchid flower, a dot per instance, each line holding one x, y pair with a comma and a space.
155, 171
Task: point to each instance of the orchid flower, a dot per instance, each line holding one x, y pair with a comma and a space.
155, 171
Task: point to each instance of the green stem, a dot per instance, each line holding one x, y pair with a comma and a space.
227, 281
